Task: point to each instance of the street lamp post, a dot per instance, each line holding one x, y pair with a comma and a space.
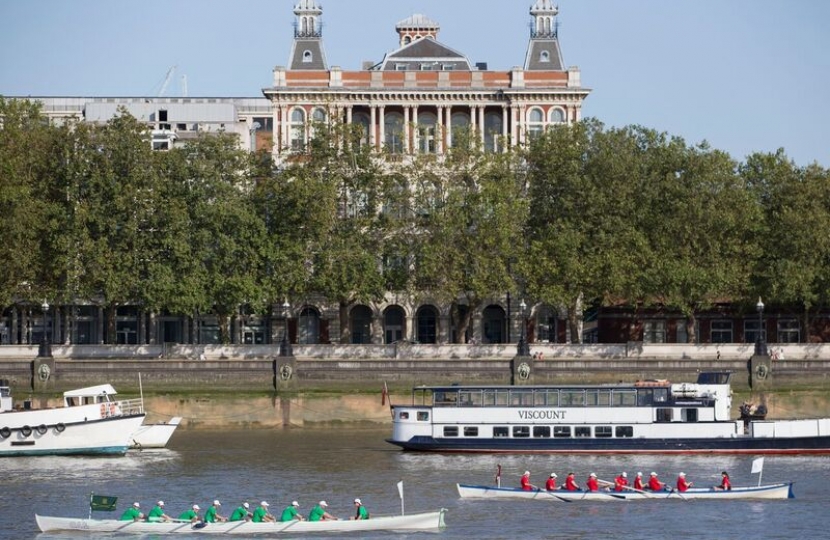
45, 350
523, 349
760, 342
285, 344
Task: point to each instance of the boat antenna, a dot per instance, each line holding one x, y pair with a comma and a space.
141, 391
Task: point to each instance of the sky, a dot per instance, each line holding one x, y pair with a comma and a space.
744, 75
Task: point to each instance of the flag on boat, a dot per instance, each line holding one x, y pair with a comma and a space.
102, 503
384, 394
757, 465
400, 489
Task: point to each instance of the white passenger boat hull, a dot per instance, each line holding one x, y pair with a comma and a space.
428, 521
155, 435
772, 491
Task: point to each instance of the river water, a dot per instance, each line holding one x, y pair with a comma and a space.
343, 463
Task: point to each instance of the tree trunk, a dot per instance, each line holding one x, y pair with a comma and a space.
575, 320
691, 332
345, 334
112, 338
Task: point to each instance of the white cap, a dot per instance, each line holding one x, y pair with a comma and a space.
217, 503
357, 501
526, 473
263, 503
136, 504
653, 474
295, 503
323, 503
624, 474
553, 475
593, 475
196, 507
160, 503
682, 474
246, 505
639, 474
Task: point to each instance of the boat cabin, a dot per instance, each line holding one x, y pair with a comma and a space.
90, 395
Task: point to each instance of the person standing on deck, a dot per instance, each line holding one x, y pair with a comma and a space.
621, 482
638, 482
570, 482
654, 484
243, 513
290, 513
132, 513
683, 484
550, 485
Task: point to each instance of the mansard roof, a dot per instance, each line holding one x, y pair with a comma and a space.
425, 50
417, 21
544, 55
308, 54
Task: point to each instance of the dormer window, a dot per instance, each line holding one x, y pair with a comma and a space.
544, 56
308, 57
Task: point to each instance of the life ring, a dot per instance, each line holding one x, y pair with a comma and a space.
26, 431
41, 429
5, 432
59, 427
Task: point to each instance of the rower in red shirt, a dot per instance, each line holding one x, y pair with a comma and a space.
725, 484
654, 484
591, 484
621, 482
570, 483
682, 483
525, 482
638, 482
550, 485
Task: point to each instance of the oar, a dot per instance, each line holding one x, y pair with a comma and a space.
629, 488
678, 494
610, 494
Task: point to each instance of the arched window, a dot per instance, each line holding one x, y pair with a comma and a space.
394, 324
427, 318
362, 120
393, 131
557, 116
493, 128
544, 56
535, 122
361, 325
305, 26
493, 325
426, 133
297, 129
460, 128
319, 115
308, 57
308, 326
407, 40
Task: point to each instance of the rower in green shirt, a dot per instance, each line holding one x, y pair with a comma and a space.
318, 513
132, 513
261, 514
210, 514
157, 513
290, 512
192, 514
242, 513
361, 512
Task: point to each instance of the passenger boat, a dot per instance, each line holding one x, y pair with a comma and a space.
154, 435
427, 521
644, 417
772, 491
90, 422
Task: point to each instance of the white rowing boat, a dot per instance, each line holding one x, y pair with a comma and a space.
427, 521
771, 491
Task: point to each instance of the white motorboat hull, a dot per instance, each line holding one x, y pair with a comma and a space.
428, 521
772, 491
155, 435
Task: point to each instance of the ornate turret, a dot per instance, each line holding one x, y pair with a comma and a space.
307, 52
543, 52
416, 27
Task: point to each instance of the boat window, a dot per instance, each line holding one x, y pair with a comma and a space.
582, 431
450, 431
645, 398
598, 398
689, 415
561, 431
540, 398
624, 431
489, 398
445, 399
403, 416
664, 415
661, 395
520, 398
423, 416
624, 398
572, 398
521, 431
501, 398
553, 398
471, 431
541, 431
501, 431
602, 431
470, 398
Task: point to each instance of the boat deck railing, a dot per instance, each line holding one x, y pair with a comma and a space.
131, 406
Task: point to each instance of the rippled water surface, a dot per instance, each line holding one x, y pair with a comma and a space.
339, 465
